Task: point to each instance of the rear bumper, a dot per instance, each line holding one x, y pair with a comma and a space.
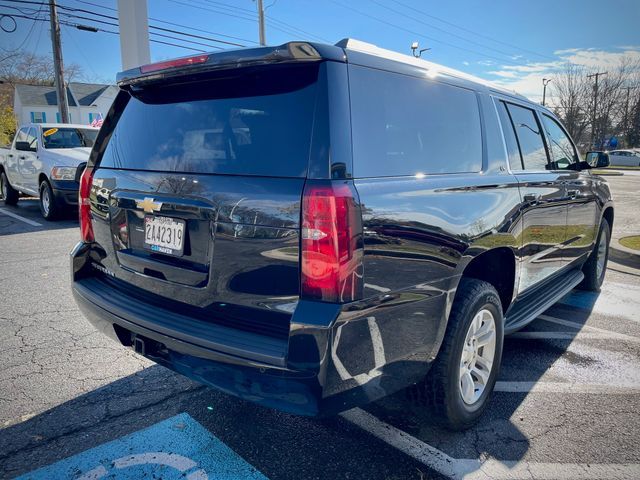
330, 361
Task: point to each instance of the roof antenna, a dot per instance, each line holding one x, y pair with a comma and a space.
415, 49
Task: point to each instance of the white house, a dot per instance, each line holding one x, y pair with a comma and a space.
39, 104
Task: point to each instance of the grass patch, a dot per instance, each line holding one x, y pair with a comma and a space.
632, 242
622, 167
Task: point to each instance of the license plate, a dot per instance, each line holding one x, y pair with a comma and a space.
164, 235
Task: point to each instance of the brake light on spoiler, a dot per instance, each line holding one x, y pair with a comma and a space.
178, 62
331, 243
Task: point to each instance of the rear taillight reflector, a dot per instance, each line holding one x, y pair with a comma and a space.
86, 227
178, 62
331, 243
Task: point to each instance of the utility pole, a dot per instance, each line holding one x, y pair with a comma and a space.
545, 82
61, 88
263, 40
595, 106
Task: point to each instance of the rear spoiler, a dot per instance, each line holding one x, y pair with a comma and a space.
286, 53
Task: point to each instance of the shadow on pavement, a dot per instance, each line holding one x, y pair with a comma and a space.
498, 434
28, 212
277, 444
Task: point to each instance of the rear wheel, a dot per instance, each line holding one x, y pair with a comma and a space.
462, 377
48, 205
7, 193
595, 267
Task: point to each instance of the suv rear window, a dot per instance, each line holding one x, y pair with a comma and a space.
404, 125
256, 122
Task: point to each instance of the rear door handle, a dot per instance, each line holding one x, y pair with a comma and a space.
22, 157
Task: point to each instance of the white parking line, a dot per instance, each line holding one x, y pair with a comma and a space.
567, 387
468, 469
18, 217
580, 326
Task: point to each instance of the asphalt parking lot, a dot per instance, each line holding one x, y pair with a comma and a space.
75, 405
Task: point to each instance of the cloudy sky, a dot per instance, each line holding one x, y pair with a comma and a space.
515, 43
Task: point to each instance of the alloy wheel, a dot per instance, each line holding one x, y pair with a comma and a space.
478, 353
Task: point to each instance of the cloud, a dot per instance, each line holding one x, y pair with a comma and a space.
527, 79
486, 63
465, 63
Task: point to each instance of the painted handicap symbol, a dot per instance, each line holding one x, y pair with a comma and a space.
176, 448
177, 462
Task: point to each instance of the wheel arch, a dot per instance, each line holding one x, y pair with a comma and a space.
497, 267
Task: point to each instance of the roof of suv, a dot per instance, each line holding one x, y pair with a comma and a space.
347, 50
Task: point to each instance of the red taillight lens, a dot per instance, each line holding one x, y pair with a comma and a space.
86, 227
331, 245
178, 62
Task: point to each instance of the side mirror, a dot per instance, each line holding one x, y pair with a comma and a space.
597, 159
25, 147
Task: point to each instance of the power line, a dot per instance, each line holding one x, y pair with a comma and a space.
250, 16
35, 14
216, 40
172, 23
104, 22
75, 25
472, 31
413, 32
111, 17
448, 32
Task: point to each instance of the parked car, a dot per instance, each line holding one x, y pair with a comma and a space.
624, 158
45, 160
313, 227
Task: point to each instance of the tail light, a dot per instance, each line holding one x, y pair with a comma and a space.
331, 243
86, 227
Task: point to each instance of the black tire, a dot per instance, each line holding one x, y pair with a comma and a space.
7, 192
592, 277
441, 390
47, 201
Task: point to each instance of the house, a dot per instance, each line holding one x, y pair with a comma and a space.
39, 104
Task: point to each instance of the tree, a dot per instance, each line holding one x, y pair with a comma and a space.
7, 123
33, 69
572, 93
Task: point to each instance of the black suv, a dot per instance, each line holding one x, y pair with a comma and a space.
312, 227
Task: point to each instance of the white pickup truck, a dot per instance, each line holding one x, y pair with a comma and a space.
46, 160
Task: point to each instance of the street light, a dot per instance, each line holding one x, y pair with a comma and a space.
545, 82
417, 53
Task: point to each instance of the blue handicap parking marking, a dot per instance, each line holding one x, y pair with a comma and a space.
176, 448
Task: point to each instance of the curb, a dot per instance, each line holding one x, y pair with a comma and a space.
624, 256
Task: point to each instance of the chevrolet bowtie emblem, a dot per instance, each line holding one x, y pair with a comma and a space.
148, 205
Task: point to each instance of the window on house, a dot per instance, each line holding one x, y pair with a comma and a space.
38, 117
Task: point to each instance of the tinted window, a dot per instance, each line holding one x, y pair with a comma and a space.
534, 155
404, 125
562, 150
68, 137
515, 160
245, 123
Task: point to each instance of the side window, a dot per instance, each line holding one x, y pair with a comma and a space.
529, 135
21, 136
404, 125
515, 160
562, 149
32, 137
